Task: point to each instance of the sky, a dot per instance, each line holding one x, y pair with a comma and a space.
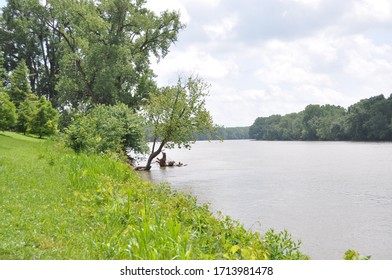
277, 56
269, 57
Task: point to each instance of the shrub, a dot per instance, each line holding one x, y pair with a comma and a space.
281, 246
106, 129
44, 120
26, 111
354, 255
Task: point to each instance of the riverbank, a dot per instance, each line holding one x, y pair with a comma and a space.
56, 204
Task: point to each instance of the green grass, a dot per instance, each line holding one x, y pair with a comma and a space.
55, 204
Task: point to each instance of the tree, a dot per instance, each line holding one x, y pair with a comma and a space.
45, 120
7, 112
107, 129
311, 121
370, 119
276, 127
26, 33
234, 132
87, 51
256, 130
331, 123
176, 114
26, 111
107, 47
3, 72
292, 126
20, 86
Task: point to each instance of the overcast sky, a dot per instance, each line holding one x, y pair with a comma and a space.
277, 56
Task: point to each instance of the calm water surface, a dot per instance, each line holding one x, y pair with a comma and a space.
334, 196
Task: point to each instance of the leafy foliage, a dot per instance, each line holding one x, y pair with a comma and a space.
368, 120
87, 51
226, 133
354, 255
7, 112
177, 113
106, 129
282, 247
26, 112
20, 86
44, 120
3, 72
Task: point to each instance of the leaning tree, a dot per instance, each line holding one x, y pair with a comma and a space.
176, 114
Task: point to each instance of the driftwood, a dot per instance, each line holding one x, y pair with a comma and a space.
163, 163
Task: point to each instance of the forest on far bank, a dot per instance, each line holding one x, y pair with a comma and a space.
227, 133
367, 120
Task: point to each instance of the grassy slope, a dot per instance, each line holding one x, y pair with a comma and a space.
55, 204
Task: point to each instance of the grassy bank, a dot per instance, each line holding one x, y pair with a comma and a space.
55, 204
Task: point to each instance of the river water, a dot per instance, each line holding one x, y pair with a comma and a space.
334, 196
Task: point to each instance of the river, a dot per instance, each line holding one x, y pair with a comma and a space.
334, 196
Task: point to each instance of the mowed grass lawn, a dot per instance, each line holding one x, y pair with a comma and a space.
55, 204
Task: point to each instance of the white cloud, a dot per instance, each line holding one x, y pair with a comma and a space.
222, 29
231, 107
366, 60
314, 4
379, 10
208, 3
159, 6
288, 63
194, 60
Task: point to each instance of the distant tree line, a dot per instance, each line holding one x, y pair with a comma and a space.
367, 120
227, 133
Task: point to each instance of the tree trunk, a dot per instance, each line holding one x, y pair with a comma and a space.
153, 155
162, 161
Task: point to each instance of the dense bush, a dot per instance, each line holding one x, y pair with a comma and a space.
106, 129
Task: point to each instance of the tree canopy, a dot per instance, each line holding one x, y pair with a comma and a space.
367, 120
7, 112
19, 87
88, 59
87, 51
176, 114
3, 72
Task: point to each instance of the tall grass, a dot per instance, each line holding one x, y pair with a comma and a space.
55, 204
